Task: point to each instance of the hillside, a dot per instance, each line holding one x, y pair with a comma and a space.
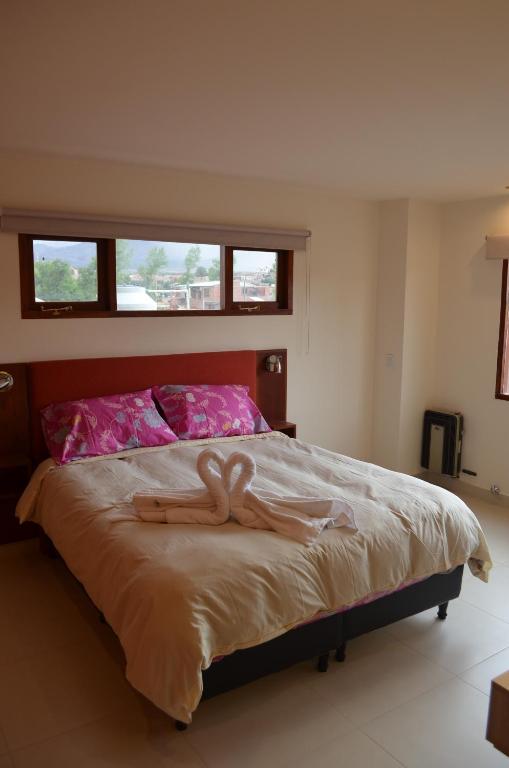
176, 252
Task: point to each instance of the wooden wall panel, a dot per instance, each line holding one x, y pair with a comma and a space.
14, 435
271, 387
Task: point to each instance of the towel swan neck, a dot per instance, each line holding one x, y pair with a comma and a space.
246, 475
211, 467
240, 489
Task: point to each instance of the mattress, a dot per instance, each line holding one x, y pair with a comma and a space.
179, 596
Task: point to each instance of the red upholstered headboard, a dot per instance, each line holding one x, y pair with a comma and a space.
58, 380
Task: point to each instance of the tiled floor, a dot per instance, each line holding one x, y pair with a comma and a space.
415, 694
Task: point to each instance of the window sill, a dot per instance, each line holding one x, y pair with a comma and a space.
34, 315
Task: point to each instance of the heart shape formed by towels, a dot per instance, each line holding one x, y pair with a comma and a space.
299, 518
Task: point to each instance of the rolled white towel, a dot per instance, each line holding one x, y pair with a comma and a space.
207, 507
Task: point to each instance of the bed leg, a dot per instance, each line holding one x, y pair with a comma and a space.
323, 662
442, 611
340, 652
180, 726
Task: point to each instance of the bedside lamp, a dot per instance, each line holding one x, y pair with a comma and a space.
273, 364
6, 382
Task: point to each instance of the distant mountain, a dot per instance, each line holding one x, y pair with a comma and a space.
79, 255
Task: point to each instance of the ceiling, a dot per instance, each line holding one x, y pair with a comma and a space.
377, 98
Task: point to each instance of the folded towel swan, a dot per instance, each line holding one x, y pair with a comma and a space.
299, 518
206, 507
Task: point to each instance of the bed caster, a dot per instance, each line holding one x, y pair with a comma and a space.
442, 611
180, 726
323, 662
340, 652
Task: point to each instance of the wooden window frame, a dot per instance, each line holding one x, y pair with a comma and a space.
106, 306
284, 281
502, 385
36, 309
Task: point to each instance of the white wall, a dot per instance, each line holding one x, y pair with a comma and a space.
372, 293
467, 344
330, 389
420, 329
390, 316
409, 251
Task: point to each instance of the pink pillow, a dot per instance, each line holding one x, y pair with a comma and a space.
78, 429
209, 410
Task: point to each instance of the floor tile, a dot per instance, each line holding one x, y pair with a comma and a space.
366, 687
355, 750
64, 700
364, 645
268, 723
494, 521
18, 550
50, 693
114, 741
443, 728
495, 598
38, 613
467, 637
482, 674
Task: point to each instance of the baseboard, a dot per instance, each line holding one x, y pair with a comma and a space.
460, 488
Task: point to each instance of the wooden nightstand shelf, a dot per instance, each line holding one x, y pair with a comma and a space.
271, 392
15, 464
14, 476
287, 427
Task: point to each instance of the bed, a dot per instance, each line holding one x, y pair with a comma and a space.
199, 610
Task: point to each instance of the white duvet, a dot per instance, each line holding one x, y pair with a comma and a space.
179, 595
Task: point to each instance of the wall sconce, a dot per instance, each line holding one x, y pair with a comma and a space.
6, 381
273, 364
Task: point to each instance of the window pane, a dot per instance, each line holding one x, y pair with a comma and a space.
254, 275
167, 276
65, 270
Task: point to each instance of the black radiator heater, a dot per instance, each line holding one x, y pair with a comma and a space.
441, 442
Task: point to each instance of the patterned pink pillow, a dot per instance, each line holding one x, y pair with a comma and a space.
209, 410
78, 429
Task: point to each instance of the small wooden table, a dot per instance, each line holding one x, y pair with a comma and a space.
498, 716
287, 427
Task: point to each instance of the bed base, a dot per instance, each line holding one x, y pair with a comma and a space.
330, 634
319, 638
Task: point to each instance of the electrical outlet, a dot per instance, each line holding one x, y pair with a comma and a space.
495, 489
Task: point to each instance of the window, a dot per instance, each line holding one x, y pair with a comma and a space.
65, 270
87, 277
254, 275
502, 386
258, 281
61, 275
167, 277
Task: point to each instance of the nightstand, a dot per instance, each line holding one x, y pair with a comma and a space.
14, 476
286, 427
15, 465
498, 715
